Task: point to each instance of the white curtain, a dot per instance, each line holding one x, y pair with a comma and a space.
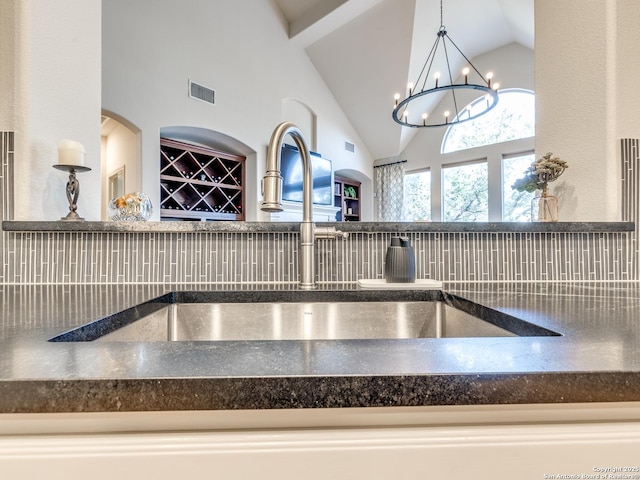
389, 192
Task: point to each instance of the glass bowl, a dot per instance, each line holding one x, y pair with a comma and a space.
132, 207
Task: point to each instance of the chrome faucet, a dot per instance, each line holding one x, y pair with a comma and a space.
272, 199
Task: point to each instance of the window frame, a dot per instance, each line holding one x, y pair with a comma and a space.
506, 91
414, 172
445, 166
507, 157
493, 153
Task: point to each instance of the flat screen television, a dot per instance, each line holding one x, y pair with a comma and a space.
291, 171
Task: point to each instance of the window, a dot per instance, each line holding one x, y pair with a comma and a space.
417, 196
465, 191
512, 118
516, 206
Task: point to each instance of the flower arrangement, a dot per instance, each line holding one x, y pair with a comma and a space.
540, 173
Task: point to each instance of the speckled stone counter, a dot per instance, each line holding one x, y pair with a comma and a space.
248, 227
596, 359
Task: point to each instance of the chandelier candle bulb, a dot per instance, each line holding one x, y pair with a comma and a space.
465, 72
410, 87
496, 86
396, 98
437, 77
424, 118
71, 153
446, 116
489, 77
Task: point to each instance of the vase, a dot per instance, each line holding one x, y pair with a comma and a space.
544, 207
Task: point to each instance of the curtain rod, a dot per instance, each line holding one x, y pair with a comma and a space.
392, 163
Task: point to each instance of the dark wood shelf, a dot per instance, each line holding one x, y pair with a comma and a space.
199, 183
346, 196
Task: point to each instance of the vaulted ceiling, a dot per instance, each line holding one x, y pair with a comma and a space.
367, 50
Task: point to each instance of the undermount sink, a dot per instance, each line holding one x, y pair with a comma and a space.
210, 316
305, 321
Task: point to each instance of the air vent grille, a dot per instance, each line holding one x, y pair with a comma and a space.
349, 147
203, 93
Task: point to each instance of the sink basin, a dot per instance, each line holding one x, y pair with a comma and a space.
393, 315
305, 321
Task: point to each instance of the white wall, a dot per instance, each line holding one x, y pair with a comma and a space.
627, 61
121, 148
8, 63
152, 48
587, 65
56, 95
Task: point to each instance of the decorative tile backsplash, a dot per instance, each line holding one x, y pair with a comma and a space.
230, 258
73, 258
6, 192
630, 155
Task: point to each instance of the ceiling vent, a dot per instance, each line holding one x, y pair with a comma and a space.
200, 92
349, 147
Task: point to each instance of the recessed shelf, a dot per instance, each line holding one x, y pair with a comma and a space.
199, 183
346, 196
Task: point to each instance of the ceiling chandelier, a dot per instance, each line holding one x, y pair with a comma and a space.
414, 110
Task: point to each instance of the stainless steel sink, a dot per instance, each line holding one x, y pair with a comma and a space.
304, 321
299, 315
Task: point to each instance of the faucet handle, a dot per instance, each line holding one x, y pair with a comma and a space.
330, 232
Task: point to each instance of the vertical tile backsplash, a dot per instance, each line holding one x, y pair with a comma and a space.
6, 193
256, 257
630, 156
207, 257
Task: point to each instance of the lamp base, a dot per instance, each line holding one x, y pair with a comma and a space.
74, 217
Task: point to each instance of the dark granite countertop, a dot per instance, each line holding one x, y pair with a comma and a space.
596, 359
248, 227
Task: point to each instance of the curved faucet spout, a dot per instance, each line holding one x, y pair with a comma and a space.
272, 196
272, 199
272, 181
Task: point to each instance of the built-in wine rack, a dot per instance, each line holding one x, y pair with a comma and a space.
199, 183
